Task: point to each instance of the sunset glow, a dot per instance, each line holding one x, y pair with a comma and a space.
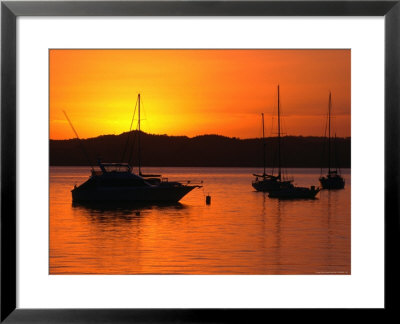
195, 92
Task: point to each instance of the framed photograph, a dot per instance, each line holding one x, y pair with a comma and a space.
190, 161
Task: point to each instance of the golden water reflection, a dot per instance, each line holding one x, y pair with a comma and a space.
241, 232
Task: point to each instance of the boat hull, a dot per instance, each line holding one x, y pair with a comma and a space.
294, 193
266, 185
146, 194
332, 182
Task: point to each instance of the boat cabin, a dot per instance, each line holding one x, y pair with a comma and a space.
115, 167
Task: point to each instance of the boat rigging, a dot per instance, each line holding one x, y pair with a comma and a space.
333, 180
270, 182
117, 182
275, 185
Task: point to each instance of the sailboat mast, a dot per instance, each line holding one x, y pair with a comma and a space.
279, 139
262, 117
139, 157
329, 133
335, 164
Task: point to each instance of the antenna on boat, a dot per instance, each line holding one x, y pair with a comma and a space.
140, 172
329, 132
279, 139
128, 137
79, 140
263, 134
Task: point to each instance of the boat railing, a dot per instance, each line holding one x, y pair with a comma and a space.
186, 182
192, 182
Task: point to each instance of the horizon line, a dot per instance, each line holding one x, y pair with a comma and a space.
190, 137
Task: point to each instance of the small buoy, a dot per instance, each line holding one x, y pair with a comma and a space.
137, 213
208, 199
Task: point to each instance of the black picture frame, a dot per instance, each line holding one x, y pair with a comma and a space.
10, 10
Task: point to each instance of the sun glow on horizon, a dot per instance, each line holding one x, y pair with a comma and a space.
196, 92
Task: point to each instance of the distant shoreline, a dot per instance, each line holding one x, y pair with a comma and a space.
190, 137
200, 151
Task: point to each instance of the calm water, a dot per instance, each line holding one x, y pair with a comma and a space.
241, 232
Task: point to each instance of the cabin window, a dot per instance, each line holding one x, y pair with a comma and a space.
132, 182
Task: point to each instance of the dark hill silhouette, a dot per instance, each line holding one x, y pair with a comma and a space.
204, 150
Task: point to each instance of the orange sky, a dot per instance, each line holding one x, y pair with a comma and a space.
195, 92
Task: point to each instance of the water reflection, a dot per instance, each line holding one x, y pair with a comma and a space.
241, 232
104, 207
328, 225
111, 211
278, 235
